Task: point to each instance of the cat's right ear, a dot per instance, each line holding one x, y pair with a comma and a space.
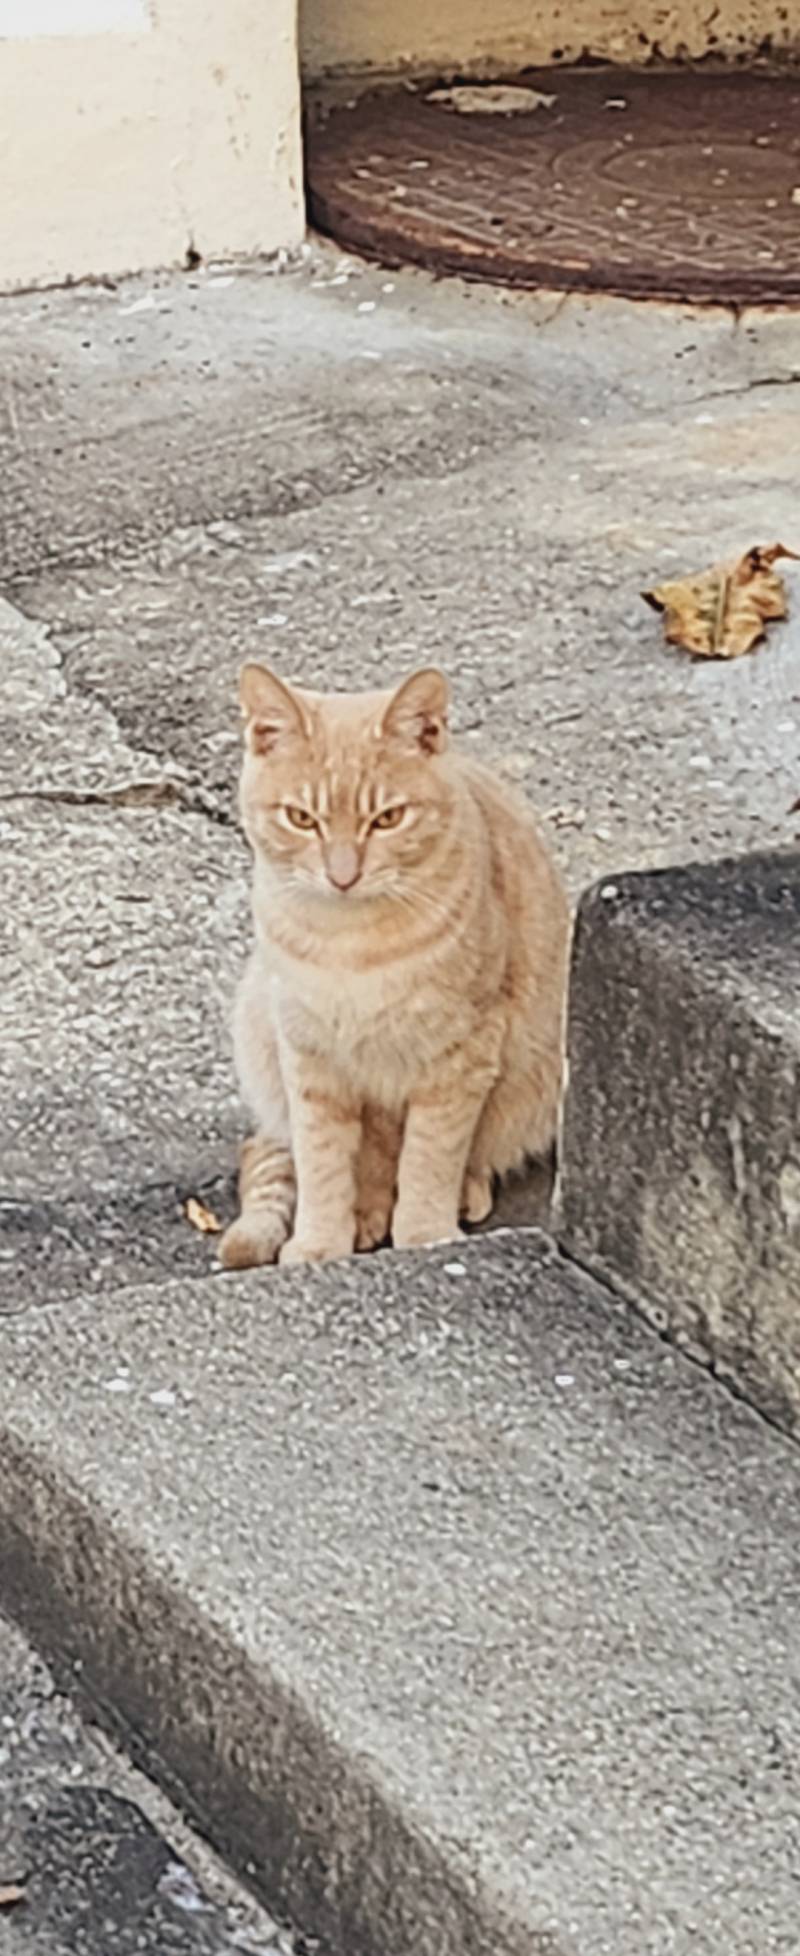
270, 709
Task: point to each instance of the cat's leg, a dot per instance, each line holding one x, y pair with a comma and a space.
439, 1130
477, 1194
496, 1137
326, 1136
517, 1124
266, 1201
376, 1177
266, 1171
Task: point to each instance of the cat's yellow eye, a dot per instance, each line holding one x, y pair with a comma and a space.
300, 819
389, 818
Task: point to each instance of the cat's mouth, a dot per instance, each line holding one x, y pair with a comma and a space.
349, 893
339, 896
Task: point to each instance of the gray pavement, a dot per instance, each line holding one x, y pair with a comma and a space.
458, 1603
346, 472
104, 1864
346, 478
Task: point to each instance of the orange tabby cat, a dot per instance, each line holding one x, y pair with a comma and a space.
398, 1029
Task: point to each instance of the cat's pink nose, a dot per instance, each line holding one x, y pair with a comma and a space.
342, 865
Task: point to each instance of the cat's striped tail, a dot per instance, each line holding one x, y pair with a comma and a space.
267, 1193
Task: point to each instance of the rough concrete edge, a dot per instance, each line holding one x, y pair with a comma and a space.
280, 260
655, 1314
303, 1820
619, 898
657, 941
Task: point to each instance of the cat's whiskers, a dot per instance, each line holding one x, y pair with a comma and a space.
417, 901
436, 902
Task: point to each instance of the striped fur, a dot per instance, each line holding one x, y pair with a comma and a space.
398, 1029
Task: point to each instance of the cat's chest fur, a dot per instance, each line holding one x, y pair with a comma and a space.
377, 1027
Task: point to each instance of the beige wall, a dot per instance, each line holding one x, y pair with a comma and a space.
120, 149
487, 35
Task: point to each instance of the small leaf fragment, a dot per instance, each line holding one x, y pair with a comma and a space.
11, 1894
490, 98
200, 1217
722, 612
566, 818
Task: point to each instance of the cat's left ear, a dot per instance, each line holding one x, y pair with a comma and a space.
418, 711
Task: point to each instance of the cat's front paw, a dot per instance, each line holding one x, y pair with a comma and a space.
421, 1232
247, 1243
477, 1198
373, 1221
301, 1249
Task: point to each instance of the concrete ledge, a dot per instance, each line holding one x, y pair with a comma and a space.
680, 1178
460, 1607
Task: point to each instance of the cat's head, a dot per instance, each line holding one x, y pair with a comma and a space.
345, 794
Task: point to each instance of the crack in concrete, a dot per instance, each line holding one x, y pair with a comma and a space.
132, 794
748, 387
163, 792
189, 796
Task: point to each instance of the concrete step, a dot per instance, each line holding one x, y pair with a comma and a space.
680, 1181
459, 1606
101, 1863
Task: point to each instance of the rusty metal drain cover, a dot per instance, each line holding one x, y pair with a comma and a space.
676, 184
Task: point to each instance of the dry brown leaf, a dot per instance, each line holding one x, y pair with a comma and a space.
722, 612
200, 1217
11, 1894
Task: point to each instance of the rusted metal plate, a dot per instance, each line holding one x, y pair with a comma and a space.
678, 184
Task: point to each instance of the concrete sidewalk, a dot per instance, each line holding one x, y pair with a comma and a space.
103, 1860
345, 473
348, 477
450, 1598
483, 1597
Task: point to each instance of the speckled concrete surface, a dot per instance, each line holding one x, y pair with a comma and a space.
116, 1081
466, 1607
690, 1205
101, 1860
347, 472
